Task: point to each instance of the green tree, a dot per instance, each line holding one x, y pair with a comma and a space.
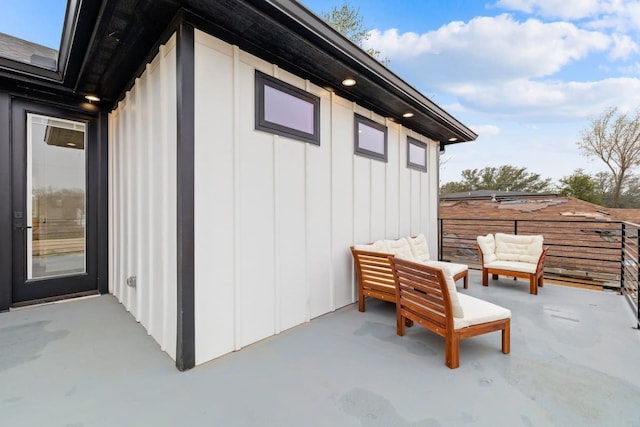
582, 186
603, 186
348, 21
503, 178
630, 196
614, 138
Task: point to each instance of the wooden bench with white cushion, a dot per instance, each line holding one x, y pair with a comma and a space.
373, 270
427, 295
513, 255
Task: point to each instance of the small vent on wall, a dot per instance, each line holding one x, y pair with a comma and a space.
131, 281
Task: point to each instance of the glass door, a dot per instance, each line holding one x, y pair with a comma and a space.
52, 246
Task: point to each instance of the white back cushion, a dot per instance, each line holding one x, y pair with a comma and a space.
377, 246
511, 247
453, 293
419, 248
399, 248
488, 247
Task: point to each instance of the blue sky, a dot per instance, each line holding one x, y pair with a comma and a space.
526, 75
39, 21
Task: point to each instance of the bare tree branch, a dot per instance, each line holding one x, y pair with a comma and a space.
614, 138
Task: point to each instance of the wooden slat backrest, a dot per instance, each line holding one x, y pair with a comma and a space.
374, 270
422, 292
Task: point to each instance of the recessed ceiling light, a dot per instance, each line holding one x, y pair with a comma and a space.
407, 114
453, 138
349, 82
71, 144
92, 98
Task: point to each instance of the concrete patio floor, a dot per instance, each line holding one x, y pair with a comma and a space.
574, 361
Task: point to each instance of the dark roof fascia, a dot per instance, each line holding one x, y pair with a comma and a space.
77, 35
50, 94
22, 71
361, 61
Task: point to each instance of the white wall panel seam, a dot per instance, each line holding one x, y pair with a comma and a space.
276, 255
140, 128
126, 184
166, 159
237, 202
148, 200
332, 279
354, 106
307, 278
150, 273
121, 206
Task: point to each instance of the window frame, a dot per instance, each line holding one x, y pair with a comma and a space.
262, 80
357, 121
420, 144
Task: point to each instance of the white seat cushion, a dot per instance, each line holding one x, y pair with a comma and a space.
523, 267
477, 311
419, 248
452, 266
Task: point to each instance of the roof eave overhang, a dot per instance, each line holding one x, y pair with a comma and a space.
363, 64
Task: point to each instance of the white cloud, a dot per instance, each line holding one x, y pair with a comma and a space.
623, 47
552, 101
485, 131
619, 15
565, 9
633, 69
491, 48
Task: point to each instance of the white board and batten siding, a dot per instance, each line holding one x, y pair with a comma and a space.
142, 199
274, 217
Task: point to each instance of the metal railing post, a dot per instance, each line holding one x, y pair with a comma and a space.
622, 257
637, 277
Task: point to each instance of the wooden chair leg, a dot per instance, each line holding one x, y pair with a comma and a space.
400, 323
533, 285
485, 277
541, 281
494, 277
360, 300
506, 338
466, 280
452, 351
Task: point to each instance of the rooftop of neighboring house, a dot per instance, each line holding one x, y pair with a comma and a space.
523, 205
27, 52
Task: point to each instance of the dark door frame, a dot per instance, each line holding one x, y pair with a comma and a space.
97, 173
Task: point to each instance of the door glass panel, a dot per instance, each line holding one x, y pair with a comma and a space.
56, 201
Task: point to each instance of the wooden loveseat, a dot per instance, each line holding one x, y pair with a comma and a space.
374, 273
513, 255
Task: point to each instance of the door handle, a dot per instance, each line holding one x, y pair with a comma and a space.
22, 227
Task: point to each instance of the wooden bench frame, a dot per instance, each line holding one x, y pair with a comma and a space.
423, 297
536, 279
374, 276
